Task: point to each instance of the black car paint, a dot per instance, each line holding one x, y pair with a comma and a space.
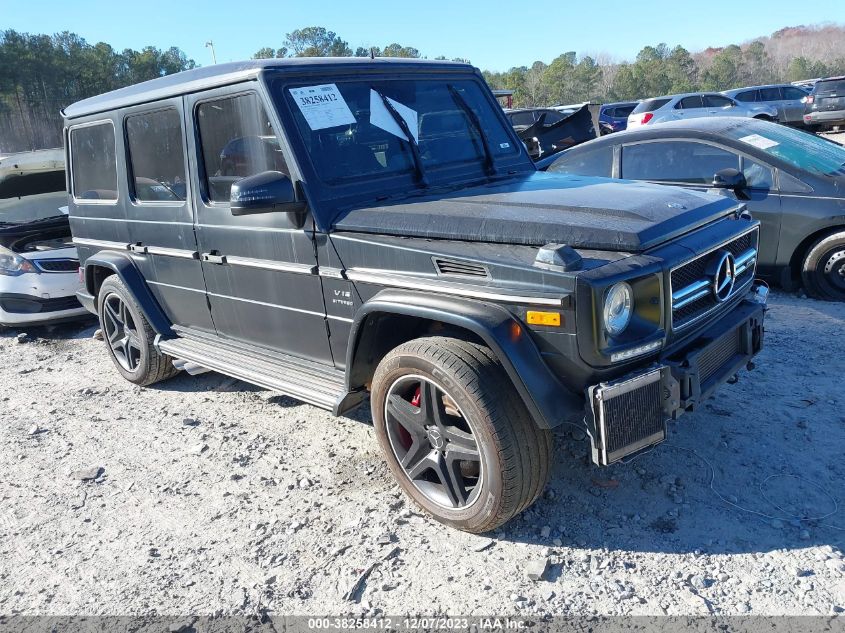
196, 266
801, 206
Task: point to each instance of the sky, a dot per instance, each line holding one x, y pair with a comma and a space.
493, 35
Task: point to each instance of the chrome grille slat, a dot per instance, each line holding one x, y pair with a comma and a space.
694, 298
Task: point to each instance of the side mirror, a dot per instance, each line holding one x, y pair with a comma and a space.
264, 193
729, 178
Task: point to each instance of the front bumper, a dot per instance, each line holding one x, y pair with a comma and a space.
22, 309
629, 414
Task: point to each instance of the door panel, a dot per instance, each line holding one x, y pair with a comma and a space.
159, 215
260, 271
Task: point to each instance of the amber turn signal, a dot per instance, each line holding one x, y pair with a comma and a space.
543, 318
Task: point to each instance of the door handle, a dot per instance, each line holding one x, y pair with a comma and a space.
213, 258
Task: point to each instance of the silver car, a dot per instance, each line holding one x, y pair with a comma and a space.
786, 98
696, 104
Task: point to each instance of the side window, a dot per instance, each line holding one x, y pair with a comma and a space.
749, 96
522, 118
716, 101
551, 117
757, 175
675, 161
770, 94
689, 102
793, 94
93, 162
155, 155
593, 162
237, 140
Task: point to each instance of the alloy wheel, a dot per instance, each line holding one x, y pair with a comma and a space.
121, 333
433, 442
834, 268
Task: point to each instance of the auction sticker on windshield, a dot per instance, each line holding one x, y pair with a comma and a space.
759, 141
322, 106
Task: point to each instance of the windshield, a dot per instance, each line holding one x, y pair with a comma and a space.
350, 128
800, 149
31, 208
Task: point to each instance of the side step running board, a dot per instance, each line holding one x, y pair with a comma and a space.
298, 378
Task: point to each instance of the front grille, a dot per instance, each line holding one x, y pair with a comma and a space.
716, 356
630, 416
691, 283
57, 265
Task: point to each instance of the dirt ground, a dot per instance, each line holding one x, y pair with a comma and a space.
206, 495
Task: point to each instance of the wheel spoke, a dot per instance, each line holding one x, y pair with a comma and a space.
428, 462
461, 445
406, 414
112, 315
431, 404
449, 474
417, 452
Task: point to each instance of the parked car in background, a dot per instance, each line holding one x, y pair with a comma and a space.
546, 131
38, 263
825, 105
787, 99
694, 105
406, 252
615, 115
793, 182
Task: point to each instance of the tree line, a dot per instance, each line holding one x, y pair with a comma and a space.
41, 74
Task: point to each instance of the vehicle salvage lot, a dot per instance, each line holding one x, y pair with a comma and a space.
217, 497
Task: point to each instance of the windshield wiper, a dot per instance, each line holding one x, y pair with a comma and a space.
412, 142
489, 165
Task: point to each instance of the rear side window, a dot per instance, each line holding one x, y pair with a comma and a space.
522, 118
156, 156
622, 112
770, 94
749, 96
690, 102
650, 105
716, 101
590, 162
793, 94
675, 161
237, 140
93, 163
826, 87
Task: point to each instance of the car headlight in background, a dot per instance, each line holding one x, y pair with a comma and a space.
618, 307
12, 264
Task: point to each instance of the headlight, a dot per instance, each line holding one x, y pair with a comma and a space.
12, 264
618, 307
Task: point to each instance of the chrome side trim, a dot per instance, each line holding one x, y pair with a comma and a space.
383, 278
172, 252
332, 273
266, 305
267, 264
79, 241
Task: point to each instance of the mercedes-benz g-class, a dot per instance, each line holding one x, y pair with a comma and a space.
337, 229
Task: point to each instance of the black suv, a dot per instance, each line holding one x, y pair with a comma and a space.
337, 229
825, 105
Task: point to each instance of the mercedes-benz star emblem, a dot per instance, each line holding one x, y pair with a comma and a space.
435, 438
724, 276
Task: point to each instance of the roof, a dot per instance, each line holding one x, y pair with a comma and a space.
735, 90
684, 94
31, 162
223, 74
619, 103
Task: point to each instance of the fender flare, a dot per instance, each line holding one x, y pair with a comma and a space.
549, 402
127, 271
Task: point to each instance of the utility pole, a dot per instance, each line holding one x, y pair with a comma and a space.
210, 44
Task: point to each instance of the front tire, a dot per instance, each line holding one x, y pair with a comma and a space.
823, 270
456, 435
129, 337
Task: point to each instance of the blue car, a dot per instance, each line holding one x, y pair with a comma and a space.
615, 116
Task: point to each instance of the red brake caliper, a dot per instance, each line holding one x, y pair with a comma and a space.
417, 396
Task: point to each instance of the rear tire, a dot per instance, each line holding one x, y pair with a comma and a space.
823, 270
494, 462
129, 337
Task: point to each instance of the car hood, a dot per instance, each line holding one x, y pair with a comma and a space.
542, 208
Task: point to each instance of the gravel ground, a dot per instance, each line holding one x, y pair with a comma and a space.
206, 495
